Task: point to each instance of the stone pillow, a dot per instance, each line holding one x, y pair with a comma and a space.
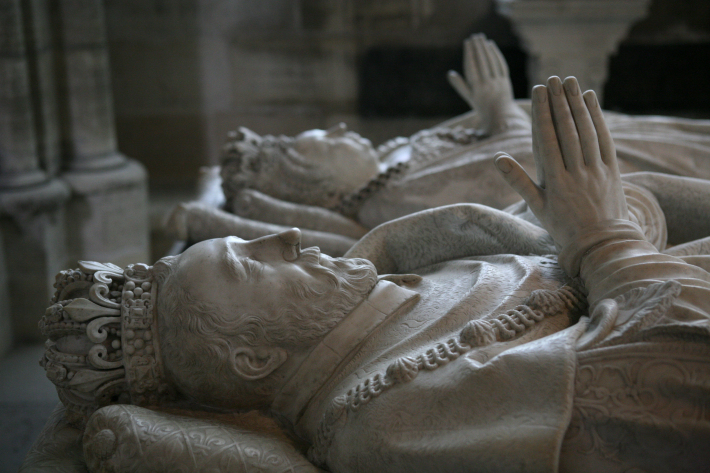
123, 438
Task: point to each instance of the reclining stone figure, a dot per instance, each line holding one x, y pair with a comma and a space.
456, 339
335, 186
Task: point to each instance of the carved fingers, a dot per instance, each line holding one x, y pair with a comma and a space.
460, 86
495, 65
587, 153
483, 64
606, 144
546, 149
565, 130
579, 183
472, 72
483, 60
501, 64
519, 180
569, 130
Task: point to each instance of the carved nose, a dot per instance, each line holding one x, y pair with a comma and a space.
291, 237
337, 130
292, 242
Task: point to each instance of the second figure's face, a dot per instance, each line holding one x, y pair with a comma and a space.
342, 154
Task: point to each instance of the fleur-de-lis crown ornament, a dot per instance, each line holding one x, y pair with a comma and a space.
102, 345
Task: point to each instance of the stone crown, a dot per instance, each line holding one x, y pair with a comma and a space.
102, 345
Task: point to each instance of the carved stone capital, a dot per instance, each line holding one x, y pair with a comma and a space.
572, 37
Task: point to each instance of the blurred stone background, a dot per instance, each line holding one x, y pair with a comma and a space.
186, 71
108, 108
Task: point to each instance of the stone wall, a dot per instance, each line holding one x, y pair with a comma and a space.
66, 193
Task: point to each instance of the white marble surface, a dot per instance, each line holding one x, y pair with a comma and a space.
482, 335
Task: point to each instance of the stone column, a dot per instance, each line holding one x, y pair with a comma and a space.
31, 205
33, 229
19, 165
86, 108
41, 64
5, 315
572, 37
107, 215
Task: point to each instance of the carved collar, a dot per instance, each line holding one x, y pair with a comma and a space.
384, 300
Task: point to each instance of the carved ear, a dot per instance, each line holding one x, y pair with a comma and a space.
256, 363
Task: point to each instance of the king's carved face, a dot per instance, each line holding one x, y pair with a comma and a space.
262, 273
234, 307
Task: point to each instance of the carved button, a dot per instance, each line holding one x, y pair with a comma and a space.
477, 333
104, 444
403, 370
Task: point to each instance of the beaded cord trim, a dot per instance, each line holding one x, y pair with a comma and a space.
427, 147
476, 333
350, 205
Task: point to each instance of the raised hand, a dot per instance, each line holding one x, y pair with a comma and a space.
579, 189
486, 86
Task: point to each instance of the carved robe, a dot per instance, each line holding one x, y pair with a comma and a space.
490, 362
625, 387
452, 167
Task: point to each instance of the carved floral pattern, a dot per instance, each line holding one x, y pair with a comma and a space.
643, 388
129, 438
624, 404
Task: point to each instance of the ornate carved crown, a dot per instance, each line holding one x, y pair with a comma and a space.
102, 345
240, 159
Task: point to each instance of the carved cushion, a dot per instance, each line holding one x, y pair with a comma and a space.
129, 438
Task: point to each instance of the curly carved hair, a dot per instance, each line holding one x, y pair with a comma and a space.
198, 337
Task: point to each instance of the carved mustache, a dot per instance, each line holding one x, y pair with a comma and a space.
310, 256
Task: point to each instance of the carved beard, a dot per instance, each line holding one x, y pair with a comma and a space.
313, 310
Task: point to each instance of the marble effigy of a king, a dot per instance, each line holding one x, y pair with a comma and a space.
458, 339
